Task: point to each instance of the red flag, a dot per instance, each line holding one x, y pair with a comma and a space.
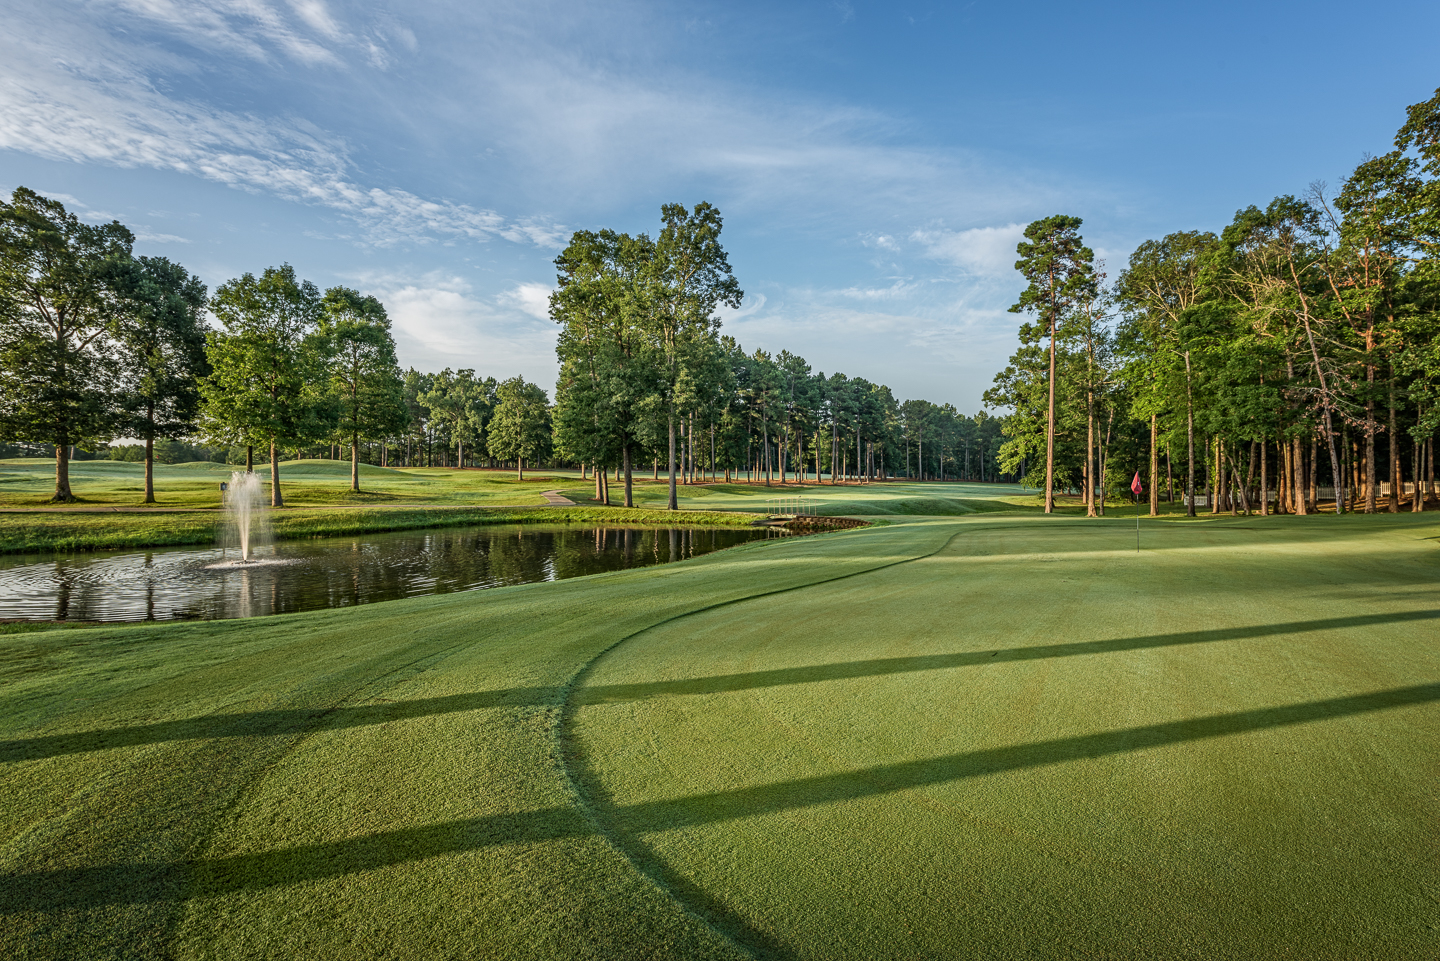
1135, 485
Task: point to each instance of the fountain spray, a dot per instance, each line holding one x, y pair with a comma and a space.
245, 516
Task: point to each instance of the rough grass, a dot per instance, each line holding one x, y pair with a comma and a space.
999, 736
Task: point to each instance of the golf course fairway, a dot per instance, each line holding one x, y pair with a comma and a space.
992, 735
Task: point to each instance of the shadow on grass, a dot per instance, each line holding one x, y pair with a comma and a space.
91, 886
287, 722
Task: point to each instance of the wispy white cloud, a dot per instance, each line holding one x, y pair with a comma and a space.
751, 305
113, 114
531, 299
897, 290
251, 28
983, 251
150, 237
439, 321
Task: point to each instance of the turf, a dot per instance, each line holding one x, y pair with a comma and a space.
879, 499
30, 482
988, 735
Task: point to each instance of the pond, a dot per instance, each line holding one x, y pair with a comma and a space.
191, 583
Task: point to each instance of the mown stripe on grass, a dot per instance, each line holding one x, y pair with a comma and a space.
693, 899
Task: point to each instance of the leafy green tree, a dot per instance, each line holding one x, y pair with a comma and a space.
798, 396
1382, 219
268, 381
1059, 269
520, 429
690, 277
160, 332
461, 405
416, 385
57, 367
363, 371
1164, 281
610, 375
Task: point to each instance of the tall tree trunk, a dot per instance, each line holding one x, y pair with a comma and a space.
520, 467
1430, 464
1089, 454
150, 466
1417, 504
354, 461
1299, 488
1397, 485
629, 489
1154, 466
1371, 488
674, 502
1250, 477
1189, 441
1049, 421
834, 449
1218, 484
276, 498
1282, 460
250, 459
1264, 480
62, 475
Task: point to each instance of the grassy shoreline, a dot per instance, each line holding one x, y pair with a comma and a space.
46, 532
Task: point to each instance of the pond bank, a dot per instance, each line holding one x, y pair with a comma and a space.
33, 531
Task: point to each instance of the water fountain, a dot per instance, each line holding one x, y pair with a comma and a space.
247, 525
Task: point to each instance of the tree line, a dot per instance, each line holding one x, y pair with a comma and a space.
646, 376
97, 343
1290, 360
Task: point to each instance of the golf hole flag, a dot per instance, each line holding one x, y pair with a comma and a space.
1135, 485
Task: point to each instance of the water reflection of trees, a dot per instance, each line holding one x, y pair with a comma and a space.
334, 573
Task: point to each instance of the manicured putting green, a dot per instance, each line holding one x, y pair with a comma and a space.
990, 736
1039, 743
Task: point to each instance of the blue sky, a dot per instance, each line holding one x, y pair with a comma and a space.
875, 163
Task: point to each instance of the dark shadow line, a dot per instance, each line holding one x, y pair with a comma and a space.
92, 886
889, 778
878, 667
299, 721
268, 723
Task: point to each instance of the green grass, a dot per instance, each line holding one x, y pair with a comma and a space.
319, 503
989, 735
22, 533
30, 482
879, 499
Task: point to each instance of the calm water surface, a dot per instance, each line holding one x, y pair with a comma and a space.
191, 583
